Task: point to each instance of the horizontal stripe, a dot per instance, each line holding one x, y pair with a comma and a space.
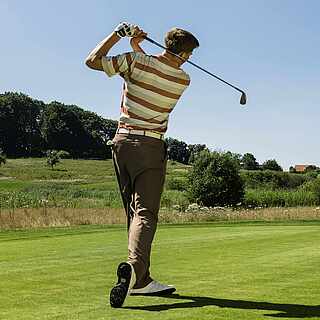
153, 79
154, 89
167, 62
168, 77
126, 119
143, 111
149, 120
146, 103
151, 97
128, 126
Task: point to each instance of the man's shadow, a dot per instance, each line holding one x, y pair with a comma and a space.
286, 310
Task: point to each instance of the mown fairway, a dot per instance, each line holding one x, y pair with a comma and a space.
222, 271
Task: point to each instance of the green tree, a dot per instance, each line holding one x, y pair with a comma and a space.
292, 169
177, 150
194, 151
249, 162
271, 165
214, 180
19, 125
52, 158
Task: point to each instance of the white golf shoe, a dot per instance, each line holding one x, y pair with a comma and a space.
153, 288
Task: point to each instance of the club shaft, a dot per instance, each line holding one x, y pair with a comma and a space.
195, 65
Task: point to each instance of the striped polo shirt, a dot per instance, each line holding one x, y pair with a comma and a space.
152, 87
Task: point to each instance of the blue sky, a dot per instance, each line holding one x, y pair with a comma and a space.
270, 49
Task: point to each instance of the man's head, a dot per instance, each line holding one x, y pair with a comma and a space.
181, 42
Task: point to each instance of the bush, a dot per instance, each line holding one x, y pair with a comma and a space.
272, 180
214, 180
52, 158
314, 187
176, 184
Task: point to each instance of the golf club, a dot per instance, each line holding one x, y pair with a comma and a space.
243, 99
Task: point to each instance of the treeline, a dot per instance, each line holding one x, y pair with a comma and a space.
30, 127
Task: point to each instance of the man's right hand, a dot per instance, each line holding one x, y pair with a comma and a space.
125, 29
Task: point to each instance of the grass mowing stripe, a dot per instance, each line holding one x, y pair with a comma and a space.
240, 271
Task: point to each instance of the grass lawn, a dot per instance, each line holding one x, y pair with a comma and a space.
221, 271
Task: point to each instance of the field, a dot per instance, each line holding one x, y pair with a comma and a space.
222, 271
81, 192
63, 235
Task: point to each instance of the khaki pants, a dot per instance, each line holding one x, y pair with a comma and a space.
140, 165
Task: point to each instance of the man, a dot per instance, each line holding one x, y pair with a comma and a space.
152, 87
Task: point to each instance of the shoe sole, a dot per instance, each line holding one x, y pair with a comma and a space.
120, 291
158, 293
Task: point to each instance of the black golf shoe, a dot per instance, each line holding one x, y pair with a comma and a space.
119, 292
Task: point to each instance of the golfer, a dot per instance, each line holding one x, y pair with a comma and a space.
152, 88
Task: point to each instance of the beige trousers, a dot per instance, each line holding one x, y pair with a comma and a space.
140, 165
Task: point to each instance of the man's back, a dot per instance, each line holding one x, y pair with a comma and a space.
152, 88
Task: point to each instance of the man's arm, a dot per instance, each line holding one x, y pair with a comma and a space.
124, 29
135, 41
93, 60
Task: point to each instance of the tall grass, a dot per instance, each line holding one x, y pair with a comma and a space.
279, 198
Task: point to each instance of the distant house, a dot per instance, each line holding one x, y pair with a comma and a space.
300, 167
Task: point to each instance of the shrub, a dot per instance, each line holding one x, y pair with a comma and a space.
214, 180
272, 180
176, 184
52, 158
314, 187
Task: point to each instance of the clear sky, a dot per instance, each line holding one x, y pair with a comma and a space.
269, 48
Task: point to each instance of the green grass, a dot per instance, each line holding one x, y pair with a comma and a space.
222, 271
280, 198
26, 183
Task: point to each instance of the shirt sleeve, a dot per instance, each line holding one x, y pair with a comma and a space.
120, 64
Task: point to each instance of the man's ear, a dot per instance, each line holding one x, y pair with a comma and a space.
183, 55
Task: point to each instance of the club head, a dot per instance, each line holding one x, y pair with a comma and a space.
243, 99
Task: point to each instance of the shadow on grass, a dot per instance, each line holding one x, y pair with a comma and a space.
286, 310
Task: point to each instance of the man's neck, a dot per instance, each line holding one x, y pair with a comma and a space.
177, 61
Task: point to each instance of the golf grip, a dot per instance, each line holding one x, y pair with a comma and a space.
243, 97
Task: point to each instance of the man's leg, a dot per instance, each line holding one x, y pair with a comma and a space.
124, 183
148, 187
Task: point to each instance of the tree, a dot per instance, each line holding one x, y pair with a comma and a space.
292, 169
52, 158
19, 125
214, 180
311, 168
194, 151
3, 158
177, 150
271, 165
81, 133
249, 162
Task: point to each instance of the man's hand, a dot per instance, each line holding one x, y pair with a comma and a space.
137, 38
125, 29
